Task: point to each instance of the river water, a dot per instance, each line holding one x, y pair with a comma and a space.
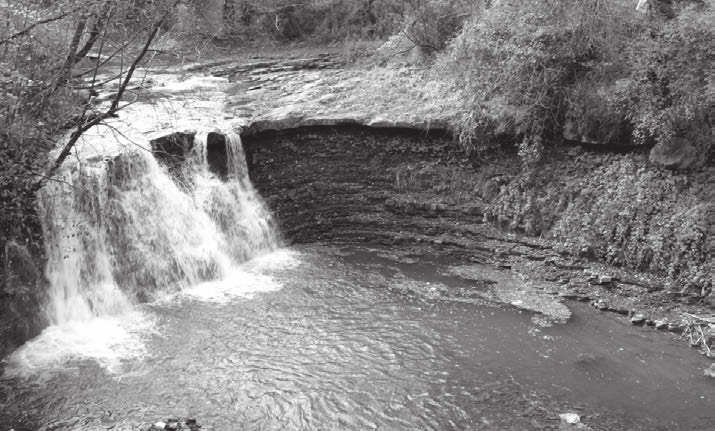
329, 338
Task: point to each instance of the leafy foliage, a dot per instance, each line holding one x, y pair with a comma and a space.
517, 60
522, 65
667, 90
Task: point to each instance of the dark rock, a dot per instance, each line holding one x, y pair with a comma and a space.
173, 146
600, 305
217, 154
661, 325
677, 153
675, 327
638, 319
124, 169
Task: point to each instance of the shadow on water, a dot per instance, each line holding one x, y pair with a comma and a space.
329, 338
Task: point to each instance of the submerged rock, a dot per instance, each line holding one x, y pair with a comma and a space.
504, 287
600, 305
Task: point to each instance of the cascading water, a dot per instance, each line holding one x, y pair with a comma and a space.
125, 229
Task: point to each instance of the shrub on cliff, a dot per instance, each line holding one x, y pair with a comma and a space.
515, 62
322, 21
427, 27
667, 92
519, 65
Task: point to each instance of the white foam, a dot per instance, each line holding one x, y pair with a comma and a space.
244, 281
277, 260
109, 341
238, 283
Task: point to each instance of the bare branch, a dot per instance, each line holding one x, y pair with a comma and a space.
35, 25
110, 112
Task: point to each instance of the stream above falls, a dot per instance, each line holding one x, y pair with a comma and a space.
339, 337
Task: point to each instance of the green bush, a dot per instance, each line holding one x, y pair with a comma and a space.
666, 92
627, 213
319, 21
517, 60
522, 66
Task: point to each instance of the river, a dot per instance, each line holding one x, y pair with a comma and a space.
331, 338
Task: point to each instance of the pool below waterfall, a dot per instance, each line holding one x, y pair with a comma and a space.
350, 338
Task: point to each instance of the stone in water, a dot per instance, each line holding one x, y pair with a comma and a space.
570, 418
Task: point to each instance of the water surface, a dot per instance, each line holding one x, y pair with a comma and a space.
320, 338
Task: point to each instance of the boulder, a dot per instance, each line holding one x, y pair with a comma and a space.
677, 153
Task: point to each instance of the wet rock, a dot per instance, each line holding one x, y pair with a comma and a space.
570, 418
661, 325
621, 311
176, 145
217, 154
675, 327
94, 159
597, 278
176, 425
600, 305
638, 319
605, 279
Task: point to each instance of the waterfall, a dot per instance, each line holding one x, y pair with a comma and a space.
125, 228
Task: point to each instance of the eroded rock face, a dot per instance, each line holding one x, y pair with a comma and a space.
172, 149
359, 184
